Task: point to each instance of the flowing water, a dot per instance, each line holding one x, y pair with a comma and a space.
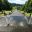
13, 20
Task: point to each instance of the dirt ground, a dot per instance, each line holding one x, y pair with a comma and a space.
18, 29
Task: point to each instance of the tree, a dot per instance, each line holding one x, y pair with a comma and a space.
28, 6
5, 5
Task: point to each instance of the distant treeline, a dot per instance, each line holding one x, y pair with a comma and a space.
27, 7
5, 5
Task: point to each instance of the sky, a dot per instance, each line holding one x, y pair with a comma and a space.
17, 1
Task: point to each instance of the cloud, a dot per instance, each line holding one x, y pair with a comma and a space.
17, 1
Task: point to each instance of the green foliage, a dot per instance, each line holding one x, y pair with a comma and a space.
28, 6
5, 5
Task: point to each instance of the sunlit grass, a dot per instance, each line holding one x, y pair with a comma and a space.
7, 12
1, 14
26, 14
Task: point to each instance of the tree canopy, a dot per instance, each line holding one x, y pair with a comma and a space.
5, 5
28, 6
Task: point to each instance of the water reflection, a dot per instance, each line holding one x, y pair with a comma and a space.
13, 20
16, 20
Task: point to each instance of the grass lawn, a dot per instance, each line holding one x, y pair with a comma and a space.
1, 14
26, 14
7, 12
